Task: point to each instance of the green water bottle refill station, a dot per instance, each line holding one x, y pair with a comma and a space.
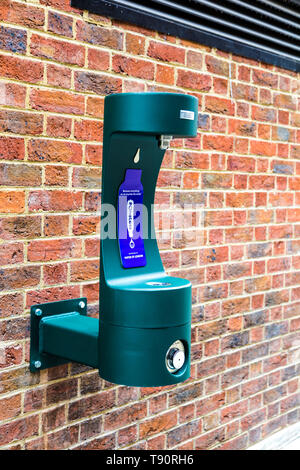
142, 336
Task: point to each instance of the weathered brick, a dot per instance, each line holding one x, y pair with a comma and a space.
166, 52
58, 75
219, 105
12, 95
13, 40
57, 101
19, 68
12, 279
11, 253
89, 406
86, 178
84, 270
133, 67
12, 202
98, 35
184, 432
192, 80
54, 200
219, 143
60, 24
18, 430
18, 122
157, 424
58, 126
20, 175
60, 51
51, 250
125, 416
43, 150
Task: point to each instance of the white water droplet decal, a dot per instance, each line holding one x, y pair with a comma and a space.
137, 156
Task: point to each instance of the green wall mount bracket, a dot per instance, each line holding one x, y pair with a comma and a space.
142, 337
61, 332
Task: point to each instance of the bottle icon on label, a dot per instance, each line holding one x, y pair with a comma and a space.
130, 221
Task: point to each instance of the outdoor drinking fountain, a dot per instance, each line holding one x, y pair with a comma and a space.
143, 335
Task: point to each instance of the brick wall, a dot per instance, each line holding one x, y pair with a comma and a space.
56, 66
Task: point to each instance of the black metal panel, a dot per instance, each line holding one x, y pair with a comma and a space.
265, 30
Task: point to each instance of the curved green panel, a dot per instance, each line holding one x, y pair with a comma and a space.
151, 113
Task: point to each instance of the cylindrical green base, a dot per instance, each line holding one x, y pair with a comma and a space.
137, 356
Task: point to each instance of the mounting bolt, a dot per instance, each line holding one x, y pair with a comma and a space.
81, 304
37, 364
38, 312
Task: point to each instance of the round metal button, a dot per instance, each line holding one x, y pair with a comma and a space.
175, 357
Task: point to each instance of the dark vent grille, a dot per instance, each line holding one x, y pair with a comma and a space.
264, 30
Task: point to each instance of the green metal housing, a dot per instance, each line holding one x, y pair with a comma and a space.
138, 321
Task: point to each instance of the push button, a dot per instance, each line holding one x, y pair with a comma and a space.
175, 357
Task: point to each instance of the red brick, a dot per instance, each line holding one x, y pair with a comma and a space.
98, 60
18, 430
18, 122
239, 199
133, 67
60, 24
12, 202
135, 44
85, 177
12, 279
63, 438
125, 416
56, 175
217, 66
12, 95
166, 52
216, 180
165, 74
241, 91
60, 51
88, 406
285, 101
88, 130
261, 77
50, 250
56, 225
12, 148
195, 81
54, 151
219, 105
58, 126
84, 270
244, 164
52, 294
57, 101
263, 148
97, 83
58, 75
216, 142
18, 68
98, 35
55, 274
11, 253
19, 175
25, 15
158, 424
54, 200
243, 128
263, 114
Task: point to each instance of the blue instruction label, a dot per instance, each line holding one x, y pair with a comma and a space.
130, 223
